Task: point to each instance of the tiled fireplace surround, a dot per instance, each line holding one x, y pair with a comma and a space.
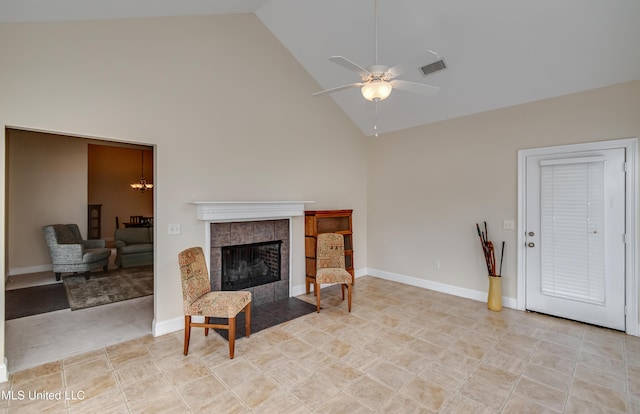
247, 232
230, 223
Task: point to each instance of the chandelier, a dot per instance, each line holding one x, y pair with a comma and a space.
142, 185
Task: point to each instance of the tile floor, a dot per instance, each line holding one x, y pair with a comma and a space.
401, 350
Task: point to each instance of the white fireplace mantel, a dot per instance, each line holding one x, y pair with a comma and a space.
248, 210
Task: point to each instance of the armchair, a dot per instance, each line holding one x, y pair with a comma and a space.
70, 253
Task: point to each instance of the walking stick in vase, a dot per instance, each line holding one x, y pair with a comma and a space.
501, 258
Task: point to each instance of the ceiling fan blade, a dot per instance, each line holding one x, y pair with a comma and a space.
346, 63
338, 88
420, 88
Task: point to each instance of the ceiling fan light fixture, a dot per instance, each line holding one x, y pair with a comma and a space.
376, 90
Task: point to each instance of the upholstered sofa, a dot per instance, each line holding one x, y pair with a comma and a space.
70, 253
134, 246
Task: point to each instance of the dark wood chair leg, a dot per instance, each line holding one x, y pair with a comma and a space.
349, 288
247, 319
342, 286
206, 330
317, 290
58, 276
86, 275
187, 333
232, 336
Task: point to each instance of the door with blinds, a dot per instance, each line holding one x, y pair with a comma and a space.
575, 236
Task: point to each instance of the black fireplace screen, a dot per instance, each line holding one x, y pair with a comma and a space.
250, 265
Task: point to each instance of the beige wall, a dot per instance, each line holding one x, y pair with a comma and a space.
227, 107
37, 197
428, 186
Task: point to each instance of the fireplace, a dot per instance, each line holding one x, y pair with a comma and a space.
249, 265
231, 223
253, 256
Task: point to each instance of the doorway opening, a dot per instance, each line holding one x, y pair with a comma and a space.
59, 178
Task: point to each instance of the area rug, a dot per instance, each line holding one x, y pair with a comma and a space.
34, 300
268, 315
103, 288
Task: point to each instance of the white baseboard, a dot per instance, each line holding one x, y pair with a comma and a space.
480, 296
4, 374
30, 269
302, 289
168, 326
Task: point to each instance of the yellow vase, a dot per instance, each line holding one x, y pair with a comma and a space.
494, 299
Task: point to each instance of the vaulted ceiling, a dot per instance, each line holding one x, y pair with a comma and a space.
498, 53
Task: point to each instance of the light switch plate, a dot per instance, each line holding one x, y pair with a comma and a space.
174, 229
508, 224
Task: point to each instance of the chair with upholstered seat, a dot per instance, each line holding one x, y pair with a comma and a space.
199, 300
71, 253
330, 267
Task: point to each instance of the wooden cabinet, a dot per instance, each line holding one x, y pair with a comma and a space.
94, 225
326, 221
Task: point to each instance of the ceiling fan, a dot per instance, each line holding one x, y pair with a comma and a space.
378, 81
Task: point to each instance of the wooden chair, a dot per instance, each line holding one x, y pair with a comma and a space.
330, 266
199, 300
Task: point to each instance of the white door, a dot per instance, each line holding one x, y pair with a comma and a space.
575, 236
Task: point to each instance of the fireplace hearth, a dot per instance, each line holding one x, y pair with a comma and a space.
249, 265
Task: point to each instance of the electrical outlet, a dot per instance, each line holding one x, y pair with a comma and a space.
508, 224
174, 229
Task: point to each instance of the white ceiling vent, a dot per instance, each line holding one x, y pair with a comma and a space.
433, 67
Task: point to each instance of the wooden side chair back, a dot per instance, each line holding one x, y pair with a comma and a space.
330, 266
199, 300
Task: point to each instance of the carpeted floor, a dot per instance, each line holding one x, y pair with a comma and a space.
268, 315
114, 286
35, 300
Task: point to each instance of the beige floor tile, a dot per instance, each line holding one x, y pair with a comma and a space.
459, 404
342, 403
426, 393
190, 370
484, 393
202, 392
282, 403
108, 403
370, 392
125, 353
256, 391
598, 395
552, 378
235, 371
226, 403
315, 390
21, 377
401, 404
443, 376
517, 404
547, 396
401, 350
137, 371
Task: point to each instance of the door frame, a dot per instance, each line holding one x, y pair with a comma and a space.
632, 289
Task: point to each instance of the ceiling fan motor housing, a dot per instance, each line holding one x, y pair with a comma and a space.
378, 72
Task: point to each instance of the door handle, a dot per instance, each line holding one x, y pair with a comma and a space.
531, 244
